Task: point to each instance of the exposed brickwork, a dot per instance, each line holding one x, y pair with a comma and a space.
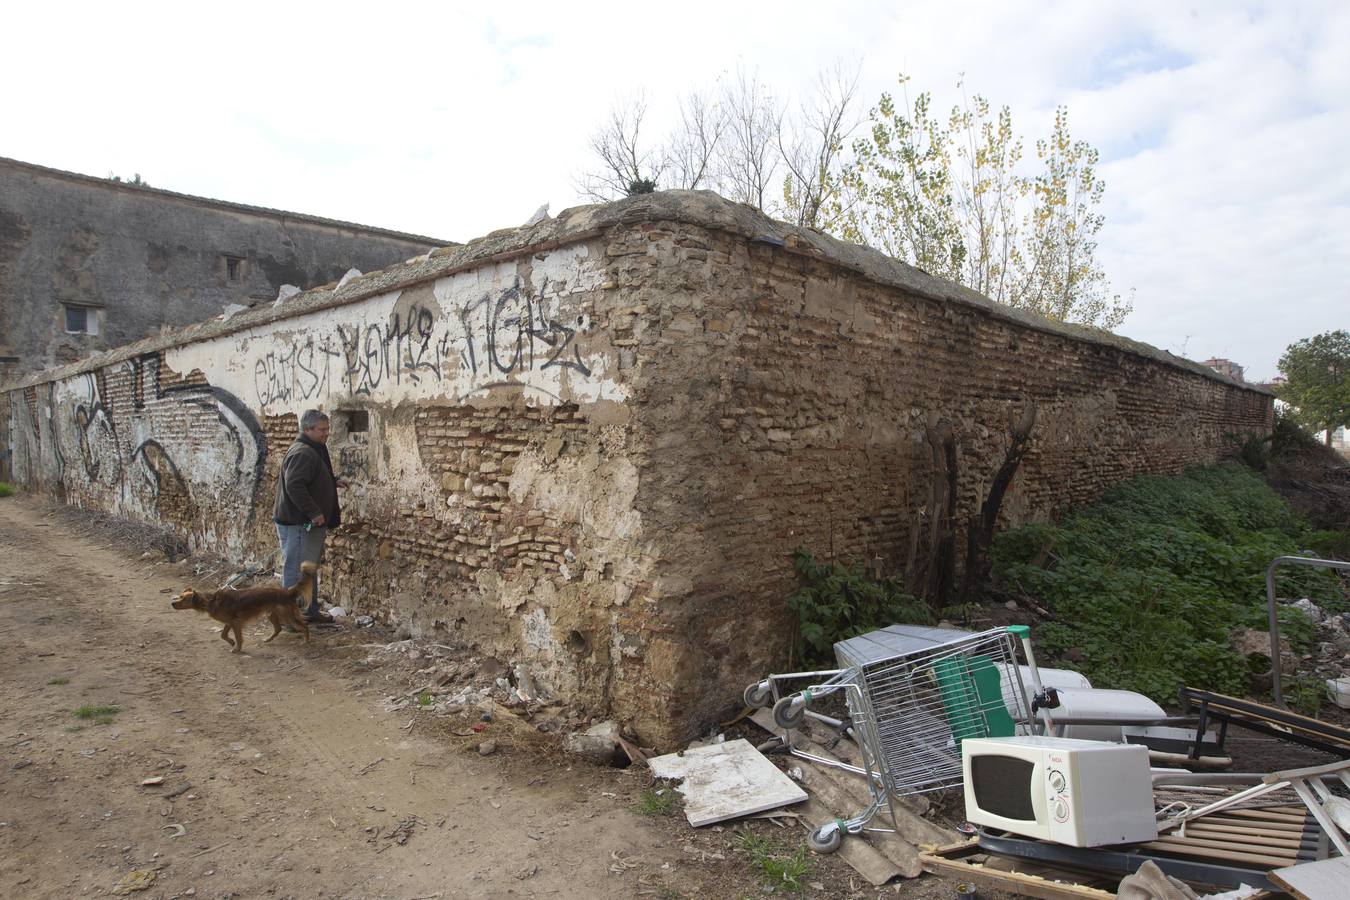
598, 464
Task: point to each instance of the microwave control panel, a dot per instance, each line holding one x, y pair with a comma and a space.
1058, 793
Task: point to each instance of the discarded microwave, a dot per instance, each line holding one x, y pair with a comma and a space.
1080, 793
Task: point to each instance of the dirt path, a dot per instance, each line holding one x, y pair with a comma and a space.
275, 746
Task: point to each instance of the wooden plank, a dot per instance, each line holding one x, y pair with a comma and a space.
1309, 772
1248, 826
862, 856
1285, 850
957, 861
1259, 859
725, 781
1195, 829
1324, 879
1264, 814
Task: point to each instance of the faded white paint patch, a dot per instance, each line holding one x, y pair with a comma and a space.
484, 331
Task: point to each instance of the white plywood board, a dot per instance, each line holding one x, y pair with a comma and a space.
1322, 880
724, 781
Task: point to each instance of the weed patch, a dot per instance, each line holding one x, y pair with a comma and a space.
58, 680
780, 868
836, 602
424, 698
6, 489
1146, 584
99, 715
656, 802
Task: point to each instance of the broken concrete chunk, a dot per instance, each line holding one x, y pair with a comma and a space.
599, 743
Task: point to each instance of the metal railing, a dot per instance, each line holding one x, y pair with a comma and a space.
1312, 562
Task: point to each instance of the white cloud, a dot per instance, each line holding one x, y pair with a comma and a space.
1222, 125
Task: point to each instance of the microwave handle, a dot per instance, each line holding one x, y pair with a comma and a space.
1023, 632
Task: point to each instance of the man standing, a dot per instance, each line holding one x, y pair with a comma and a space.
307, 504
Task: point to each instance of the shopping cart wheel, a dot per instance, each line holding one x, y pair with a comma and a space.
758, 695
826, 838
789, 712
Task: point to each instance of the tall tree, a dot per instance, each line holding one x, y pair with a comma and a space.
950, 197
1317, 373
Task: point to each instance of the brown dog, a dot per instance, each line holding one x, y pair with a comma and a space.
238, 608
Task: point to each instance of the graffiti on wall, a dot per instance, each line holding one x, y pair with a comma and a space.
481, 341
128, 439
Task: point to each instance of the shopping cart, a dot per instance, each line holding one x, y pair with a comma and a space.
910, 712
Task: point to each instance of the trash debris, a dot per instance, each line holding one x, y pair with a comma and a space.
337, 612
1309, 609
178, 791
621, 864
724, 781
152, 781
365, 621
135, 880
599, 743
177, 829
487, 748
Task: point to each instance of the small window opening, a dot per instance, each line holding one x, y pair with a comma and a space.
234, 267
357, 420
81, 320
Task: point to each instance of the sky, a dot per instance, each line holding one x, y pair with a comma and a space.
1223, 126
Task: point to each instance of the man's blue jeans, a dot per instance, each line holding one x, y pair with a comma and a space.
298, 546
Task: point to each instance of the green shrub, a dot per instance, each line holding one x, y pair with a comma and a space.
836, 602
1146, 584
6, 489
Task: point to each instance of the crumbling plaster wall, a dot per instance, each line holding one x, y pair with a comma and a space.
593, 444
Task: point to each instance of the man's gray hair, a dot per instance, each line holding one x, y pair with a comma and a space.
311, 417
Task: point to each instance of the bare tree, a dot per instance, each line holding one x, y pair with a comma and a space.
812, 144
692, 152
626, 164
750, 156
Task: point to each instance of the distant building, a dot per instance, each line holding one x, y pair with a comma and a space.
1225, 367
87, 263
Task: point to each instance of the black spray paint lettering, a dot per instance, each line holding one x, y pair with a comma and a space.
502, 335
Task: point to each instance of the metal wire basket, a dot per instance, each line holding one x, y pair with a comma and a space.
910, 712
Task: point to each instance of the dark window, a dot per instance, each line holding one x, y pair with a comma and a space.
234, 268
1002, 786
357, 420
80, 320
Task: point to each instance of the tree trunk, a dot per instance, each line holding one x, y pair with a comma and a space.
980, 529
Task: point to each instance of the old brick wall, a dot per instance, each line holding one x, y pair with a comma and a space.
786, 397
591, 446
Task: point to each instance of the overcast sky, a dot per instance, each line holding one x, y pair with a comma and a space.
1223, 126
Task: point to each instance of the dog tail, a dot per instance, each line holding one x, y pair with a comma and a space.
304, 588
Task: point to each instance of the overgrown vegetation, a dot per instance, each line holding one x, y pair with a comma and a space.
656, 802
838, 601
781, 869
1145, 585
99, 715
60, 679
6, 489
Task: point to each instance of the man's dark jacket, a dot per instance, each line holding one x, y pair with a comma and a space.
307, 486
